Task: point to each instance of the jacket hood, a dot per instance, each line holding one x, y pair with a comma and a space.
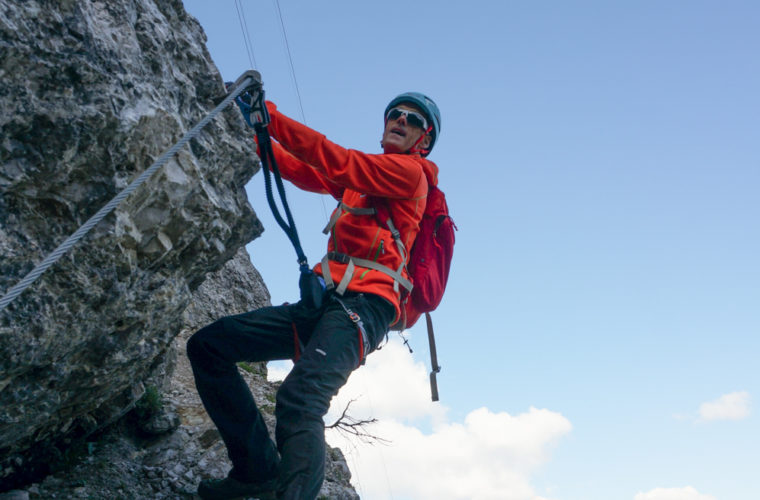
431, 171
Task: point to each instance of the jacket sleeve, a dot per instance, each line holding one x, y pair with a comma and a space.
304, 175
384, 175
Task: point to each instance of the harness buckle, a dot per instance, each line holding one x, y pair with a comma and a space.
339, 257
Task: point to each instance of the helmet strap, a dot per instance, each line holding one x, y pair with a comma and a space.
422, 151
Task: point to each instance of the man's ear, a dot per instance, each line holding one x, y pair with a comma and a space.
425, 143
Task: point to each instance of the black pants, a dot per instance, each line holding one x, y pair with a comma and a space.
331, 348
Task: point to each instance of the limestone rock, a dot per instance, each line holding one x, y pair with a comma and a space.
91, 93
120, 464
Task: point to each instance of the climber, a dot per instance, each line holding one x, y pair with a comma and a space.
329, 342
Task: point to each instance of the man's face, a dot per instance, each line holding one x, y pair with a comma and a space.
399, 136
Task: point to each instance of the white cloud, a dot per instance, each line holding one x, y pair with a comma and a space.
391, 385
490, 455
278, 370
687, 493
732, 406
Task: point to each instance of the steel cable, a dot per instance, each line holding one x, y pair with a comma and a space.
56, 254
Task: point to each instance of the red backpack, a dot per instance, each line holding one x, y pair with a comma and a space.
428, 267
429, 260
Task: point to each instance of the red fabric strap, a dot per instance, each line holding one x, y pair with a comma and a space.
296, 343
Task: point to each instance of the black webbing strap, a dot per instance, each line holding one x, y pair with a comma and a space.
311, 285
268, 162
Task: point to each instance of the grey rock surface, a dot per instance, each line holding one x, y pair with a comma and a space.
121, 463
91, 93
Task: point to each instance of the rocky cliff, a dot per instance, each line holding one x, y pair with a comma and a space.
91, 93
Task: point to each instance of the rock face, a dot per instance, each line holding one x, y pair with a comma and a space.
164, 453
91, 93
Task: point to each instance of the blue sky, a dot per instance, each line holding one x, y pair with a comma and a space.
601, 162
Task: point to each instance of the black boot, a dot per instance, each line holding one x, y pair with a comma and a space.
230, 489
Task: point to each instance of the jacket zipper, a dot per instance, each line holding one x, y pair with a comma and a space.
380, 249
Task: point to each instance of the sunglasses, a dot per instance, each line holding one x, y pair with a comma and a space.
412, 117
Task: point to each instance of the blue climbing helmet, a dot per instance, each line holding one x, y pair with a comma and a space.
427, 106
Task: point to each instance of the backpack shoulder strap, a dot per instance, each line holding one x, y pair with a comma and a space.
434, 366
383, 214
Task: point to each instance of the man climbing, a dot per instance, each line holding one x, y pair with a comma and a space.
365, 274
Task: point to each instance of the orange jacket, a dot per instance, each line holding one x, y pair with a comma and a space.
313, 163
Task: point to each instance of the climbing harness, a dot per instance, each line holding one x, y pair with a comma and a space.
364, 346
250, 80
253, 107
352, 261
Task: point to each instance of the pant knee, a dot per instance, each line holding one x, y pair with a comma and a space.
303, 398
197, 346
